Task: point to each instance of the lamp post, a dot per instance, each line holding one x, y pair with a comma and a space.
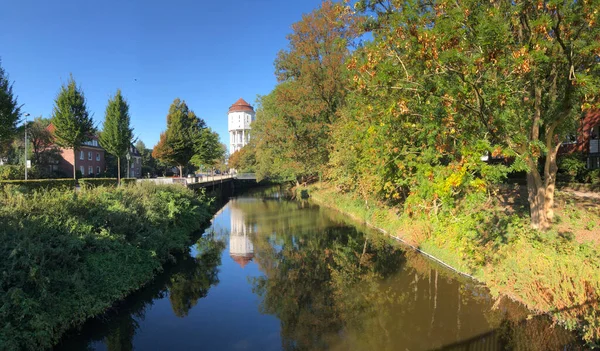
26, 115
128, 157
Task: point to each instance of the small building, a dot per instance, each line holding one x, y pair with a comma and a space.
89, 159
587, 141
135, 163
240, 116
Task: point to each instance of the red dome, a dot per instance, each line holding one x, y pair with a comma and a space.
241, 106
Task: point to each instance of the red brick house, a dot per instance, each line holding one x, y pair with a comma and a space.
89, 159
587, 141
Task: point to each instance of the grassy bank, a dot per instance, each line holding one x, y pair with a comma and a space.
491, 241
66, 256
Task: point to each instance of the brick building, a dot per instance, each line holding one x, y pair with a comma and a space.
587, 140
89, 159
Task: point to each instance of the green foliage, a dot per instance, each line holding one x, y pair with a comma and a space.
10, 111
292, 127
31, 185
71, 119
207, 148
186, 139
116, 136
243, 160
68, 256
96, 182
12, 172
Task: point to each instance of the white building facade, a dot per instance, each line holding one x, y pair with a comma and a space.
240, 116
241, 249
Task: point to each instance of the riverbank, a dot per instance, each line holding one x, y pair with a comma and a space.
67, 256
550, 272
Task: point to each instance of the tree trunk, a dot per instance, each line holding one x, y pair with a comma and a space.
537, 199
118, 171
550, 169
550, 178
180, 171
535, 187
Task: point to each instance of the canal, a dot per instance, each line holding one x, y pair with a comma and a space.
272, 273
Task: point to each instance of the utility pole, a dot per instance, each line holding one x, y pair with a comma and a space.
26, 115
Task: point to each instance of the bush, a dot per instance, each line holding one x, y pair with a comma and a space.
96, 182
67, 256
37, 184
572, 167
126, 181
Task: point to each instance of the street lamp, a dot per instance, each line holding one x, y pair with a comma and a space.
26, 115
128, 157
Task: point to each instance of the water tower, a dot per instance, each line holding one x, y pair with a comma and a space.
240, 116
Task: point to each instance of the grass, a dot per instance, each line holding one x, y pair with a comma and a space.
550, 272
66, 256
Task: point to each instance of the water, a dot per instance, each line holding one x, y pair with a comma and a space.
273, 274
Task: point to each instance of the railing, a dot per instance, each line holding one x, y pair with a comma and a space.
189, 180
246, 176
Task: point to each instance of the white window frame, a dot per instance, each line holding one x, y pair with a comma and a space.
97, 169
89, 155
90, 169
82, 170
81, 155
97, 156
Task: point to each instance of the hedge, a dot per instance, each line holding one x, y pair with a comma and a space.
96, 182
35, 184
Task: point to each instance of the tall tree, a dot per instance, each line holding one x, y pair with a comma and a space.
294, 120
10, 111
71, 119
178, 143
117, 134
513, 74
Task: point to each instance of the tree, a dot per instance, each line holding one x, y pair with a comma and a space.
116, 136
514, 76
71, 119
10, 111
186, 135
293, 121
243, 160
39, 136
208, 149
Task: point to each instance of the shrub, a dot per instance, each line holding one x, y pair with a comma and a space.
96, 182
69, 255
126, 181
572, 167
37, 184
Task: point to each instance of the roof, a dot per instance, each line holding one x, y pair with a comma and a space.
242, 260
241, 106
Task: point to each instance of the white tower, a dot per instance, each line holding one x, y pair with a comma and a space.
241, 249
240, 116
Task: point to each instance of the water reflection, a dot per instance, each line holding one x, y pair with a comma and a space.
184, 283
241, 249
299, 277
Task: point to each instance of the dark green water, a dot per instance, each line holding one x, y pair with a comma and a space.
273, 274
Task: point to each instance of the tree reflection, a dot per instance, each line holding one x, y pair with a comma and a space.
335, 287
186, 282
195, 280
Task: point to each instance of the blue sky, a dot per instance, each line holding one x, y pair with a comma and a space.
209, 53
